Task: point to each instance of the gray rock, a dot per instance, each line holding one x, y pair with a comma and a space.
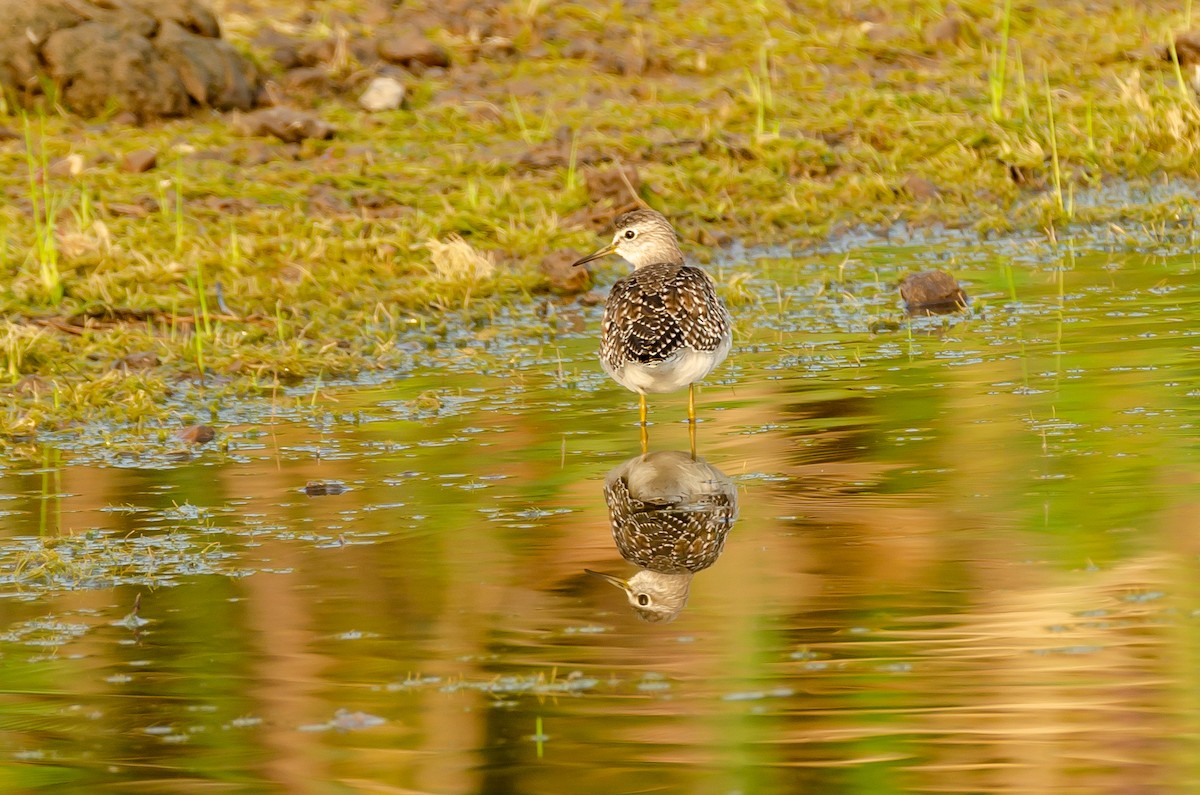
191, 15
406, 48
126, 19
212, 72
36, 21
286, 124
149, 58
18, 64
313, 79
283, 49
134, 77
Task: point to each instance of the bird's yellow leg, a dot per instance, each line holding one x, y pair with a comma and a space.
692, 403
642, 415
692, 438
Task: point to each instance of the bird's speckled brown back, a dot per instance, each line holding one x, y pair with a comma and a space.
658, 310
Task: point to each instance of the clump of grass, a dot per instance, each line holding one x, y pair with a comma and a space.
45, 564
15, 343
457, 261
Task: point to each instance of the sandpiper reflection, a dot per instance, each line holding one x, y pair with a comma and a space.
670, 513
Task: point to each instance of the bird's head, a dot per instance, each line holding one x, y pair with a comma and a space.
642, 237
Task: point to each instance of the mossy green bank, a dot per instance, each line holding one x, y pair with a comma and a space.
239, 264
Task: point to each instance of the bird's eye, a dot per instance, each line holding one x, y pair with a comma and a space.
630, 234
643, 600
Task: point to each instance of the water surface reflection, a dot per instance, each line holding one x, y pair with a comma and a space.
670, 513
961, 563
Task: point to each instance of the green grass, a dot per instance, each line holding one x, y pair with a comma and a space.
46, 203
996, 78
769, 124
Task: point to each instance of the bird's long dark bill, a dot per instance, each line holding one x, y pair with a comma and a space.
603, 252
608, 578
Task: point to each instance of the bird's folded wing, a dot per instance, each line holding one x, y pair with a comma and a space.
658, 310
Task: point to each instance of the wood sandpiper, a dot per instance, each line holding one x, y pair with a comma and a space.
664, 326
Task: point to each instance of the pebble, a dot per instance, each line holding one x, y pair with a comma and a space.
408, 49
196, 434
325, 488
932, 290
139, 162
286, 124
383, 93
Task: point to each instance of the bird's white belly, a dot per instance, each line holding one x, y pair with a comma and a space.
685, 366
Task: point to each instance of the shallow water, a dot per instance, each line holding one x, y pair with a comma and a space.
964, 559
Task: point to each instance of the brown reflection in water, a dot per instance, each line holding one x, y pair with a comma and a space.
1019, 692
286, 677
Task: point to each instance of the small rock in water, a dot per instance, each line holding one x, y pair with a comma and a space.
932, 292
383, 93
196, 434
139, 162
325, 488
286, 124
